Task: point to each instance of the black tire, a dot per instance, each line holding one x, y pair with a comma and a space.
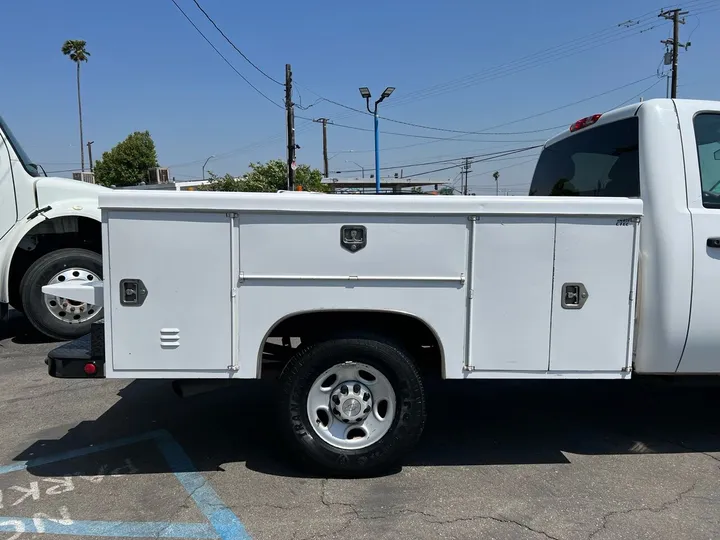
406, 428
33, 299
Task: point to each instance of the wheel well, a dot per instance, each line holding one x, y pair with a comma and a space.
50, 235
416, 336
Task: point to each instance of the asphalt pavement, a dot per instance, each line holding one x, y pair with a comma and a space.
498, 460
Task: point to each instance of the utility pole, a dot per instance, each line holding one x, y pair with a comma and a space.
89, 145
464, 171
289, 107
324, 122
674, 15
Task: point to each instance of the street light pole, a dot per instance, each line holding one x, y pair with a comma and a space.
356, 163
365, 92
204, 164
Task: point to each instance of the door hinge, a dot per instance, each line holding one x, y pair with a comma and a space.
472, 218
233, 368
241, 278
232, 214
233, 292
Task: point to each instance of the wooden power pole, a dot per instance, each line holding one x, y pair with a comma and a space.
324, 122
465, 171
291, 146
674, 15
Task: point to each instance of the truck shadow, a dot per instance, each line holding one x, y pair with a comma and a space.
469, 423
19, 330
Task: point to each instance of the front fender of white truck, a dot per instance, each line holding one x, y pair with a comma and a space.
11, 242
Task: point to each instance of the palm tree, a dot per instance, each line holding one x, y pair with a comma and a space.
75, 49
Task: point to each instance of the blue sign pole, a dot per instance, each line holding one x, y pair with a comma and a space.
377, 153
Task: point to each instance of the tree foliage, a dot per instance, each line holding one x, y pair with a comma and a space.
268, 177
75, 49
446, 190
128, 162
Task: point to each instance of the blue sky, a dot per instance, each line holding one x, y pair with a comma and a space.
151, 70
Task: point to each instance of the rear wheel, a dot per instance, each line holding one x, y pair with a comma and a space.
57, 317
352, 406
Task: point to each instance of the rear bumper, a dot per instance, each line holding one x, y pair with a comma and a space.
83, 358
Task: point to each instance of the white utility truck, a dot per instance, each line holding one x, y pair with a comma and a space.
49, 233
611, 267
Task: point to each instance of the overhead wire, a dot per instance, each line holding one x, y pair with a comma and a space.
413, 135
536, 115
638, 25
224, 58
463, 81
628, 28
489, 155
233, 44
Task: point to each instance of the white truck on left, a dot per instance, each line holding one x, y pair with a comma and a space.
49, 233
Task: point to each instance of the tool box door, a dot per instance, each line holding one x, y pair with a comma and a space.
594, 282
170, 290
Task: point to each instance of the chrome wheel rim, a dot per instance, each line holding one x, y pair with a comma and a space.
351, 405
71, 311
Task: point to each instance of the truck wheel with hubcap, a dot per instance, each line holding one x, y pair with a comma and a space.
352, 406
53, 316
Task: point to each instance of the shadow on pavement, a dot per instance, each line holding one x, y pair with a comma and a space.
19, 330
469, 423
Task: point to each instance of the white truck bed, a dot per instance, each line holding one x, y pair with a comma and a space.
486, 275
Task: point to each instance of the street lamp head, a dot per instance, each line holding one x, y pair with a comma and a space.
365, 92
386, 93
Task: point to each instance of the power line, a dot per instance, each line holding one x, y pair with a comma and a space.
660, 79
484, 131
589, 42
412, 135
487, 131
223, 56
526, 63
489, 155
636, 26
233, 45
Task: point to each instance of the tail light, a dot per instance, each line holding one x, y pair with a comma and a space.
585, 122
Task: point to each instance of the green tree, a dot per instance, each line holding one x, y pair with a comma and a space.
75, 50
446, 190
268, 177
128, 162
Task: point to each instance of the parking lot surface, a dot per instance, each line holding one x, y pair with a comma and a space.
532, 460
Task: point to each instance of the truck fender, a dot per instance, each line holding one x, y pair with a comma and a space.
87, 208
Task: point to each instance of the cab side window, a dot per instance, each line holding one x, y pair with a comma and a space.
707, 138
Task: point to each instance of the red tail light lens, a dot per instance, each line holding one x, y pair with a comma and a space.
585, 122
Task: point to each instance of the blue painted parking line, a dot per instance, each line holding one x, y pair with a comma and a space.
223, 523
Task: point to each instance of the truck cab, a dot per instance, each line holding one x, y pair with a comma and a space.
666, 152
49, 233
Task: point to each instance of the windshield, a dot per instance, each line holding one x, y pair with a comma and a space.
28, 165
600, 162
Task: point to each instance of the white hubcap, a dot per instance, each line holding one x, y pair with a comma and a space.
71, 311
